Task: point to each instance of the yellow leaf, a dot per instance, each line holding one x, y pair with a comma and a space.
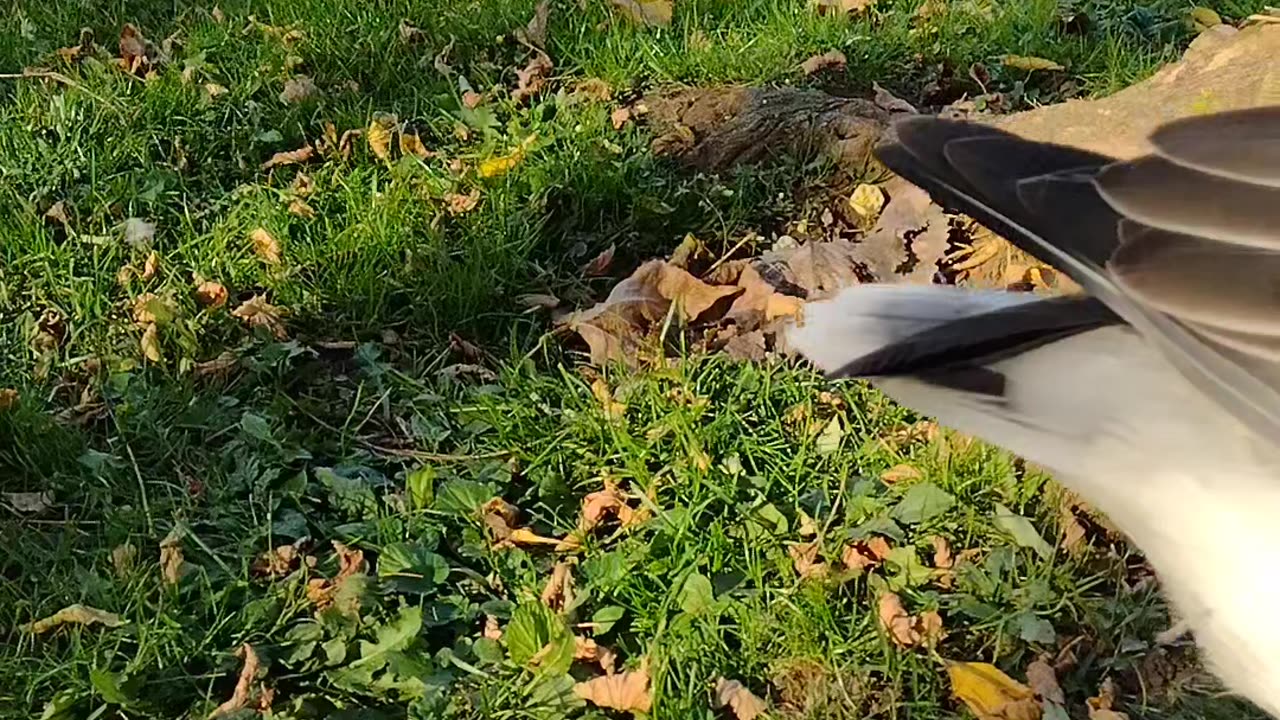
1203, 18
74, 615
265, 246
628, 691
613, 410
257, 312
211, 294
990, 694
1029, 63
150, 343
379, 137
503, 164
412, 145
151, 266
525, 536
867, 201
646, 12
741, 701
899, 473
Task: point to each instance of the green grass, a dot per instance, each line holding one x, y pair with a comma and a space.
375, 447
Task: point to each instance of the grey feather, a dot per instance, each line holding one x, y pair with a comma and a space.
1243, 145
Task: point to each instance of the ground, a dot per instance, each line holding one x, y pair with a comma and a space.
347, 485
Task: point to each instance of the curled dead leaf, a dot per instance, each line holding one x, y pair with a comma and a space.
298, 89
830, 60
735, 696
533, 78
804, 557
1029, 63
133, 49
324, 593
589, 650
600, 264
211, 294
491, 629
864, 555
277, 562
1044, 682
458, 203
908, 630
411, 144
900, 473
256, 312
613, 410
472, 99
265, 246
73, 615
990, 694
620, 117
558, 592
501, 165
8, 398
378, 135
290, 157
123, 557
223, 363
626, 691
942, 558
149, 343
151, 265
594, 89
240, 696
301, 209
1102, 706
172, 563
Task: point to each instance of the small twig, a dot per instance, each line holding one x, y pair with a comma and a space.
747, 238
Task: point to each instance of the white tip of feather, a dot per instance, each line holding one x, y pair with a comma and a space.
864, 318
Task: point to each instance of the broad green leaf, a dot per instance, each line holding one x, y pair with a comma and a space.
697, 595
533, 627
411, 568
351, 493
829, 440
463, 497
606, 617
107, 684
391, 637
487, 650
256, 427
421, 487
1021, 530
922, 502
909, 572
1036, 629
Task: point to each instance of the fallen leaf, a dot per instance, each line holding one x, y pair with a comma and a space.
613, 410
627, 691
138, 232
739, 699
491, 629
863, 555
533, 78
500, 518
537, 301
73, 615
244, 684
900, 473
804, 557
290, 157
844, 6
894, 619
594, 89
150, 343
257, 312
172, 562
225, 361
589, 650
1044, 682
300, 208
411, 144
600, 264
472, 99
654, 13
31, 503
133, 48
214, 90
123, 557
558, 592
1029, 63
1101, 707
458, 203
620, 117
942, 558
830, 60
605, 503
57, 212
265, 246
277, 562
441, 61
535, 33
211, 294
410, 33
759, 302
693, 296
867, 201
352, 568
151, 265
298, 89
503, 164
378, 135
990, 694
8, 398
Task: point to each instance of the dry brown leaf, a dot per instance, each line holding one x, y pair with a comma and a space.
149, 343
300, 208
57, 212
895, 620
1074, 535
378, 135
290, 157
589, 650
265, 246
594, 89
211, 294
223, 363
151, 265
458, 204
759, 302
73, 615
600, 264
613, 410
1029, 63
675, 284
244, 684
620, 117
172, 563
278, 562
654, 13
844, 6
256, 312
1102, 706
298, 89
491, 629
900, 473
214, 90
539, 301
1044, 682
990, 694
942, 557
322, 592
133, 48
533, 78
500, 517
739, 699
123, 557
8, 398
804, 557
535, 33
862, 555
411, 144
830, 60
627, 691
558, 593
